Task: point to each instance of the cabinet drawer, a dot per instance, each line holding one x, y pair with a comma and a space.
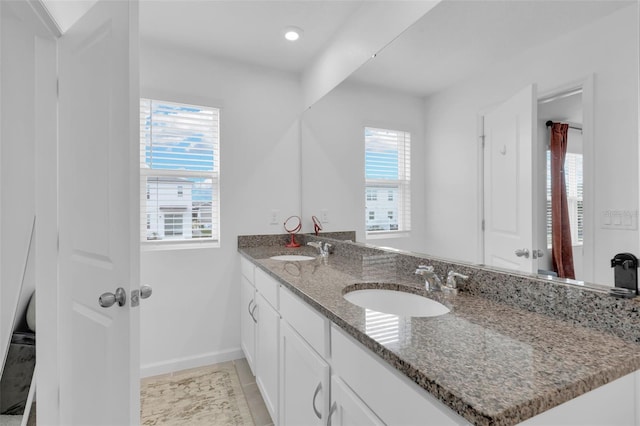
391, 395
310, 324
267, 286
247, 268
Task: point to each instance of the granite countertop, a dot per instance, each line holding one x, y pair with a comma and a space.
492, 363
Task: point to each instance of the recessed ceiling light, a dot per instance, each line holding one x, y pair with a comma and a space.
292, 33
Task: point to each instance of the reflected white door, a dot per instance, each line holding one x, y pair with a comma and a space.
509, 132
98, 210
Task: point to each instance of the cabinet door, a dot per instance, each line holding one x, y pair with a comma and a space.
347, 409
304, 381
267, 354
248, 321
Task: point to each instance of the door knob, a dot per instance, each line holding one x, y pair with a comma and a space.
108, 299
537, 253
144, 292
522, 253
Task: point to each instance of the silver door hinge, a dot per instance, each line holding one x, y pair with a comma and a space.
481, 137
482, 224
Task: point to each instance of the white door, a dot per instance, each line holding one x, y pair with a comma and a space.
509, 133
304, 381
98, 211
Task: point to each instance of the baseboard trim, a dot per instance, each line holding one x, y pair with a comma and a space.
177, 364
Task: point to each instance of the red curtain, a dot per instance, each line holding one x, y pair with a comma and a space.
562, 251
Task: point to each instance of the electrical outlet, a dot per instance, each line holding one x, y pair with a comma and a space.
275, 217
324, 216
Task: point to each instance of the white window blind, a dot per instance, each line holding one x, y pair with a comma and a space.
179, 172
387, 180
574, 181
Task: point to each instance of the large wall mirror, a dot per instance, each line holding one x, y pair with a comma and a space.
420, 109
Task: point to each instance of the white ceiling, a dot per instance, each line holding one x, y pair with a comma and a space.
453, 41
66, 12
246, 31
459, 38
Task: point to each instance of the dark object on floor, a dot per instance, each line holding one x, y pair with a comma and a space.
18, 372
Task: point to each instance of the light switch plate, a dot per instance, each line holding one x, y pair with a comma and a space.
619, 219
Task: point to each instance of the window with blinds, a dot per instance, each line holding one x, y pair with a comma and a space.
179, 172
387, 180
575, 183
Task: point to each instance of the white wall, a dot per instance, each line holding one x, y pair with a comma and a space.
193, 316
609, 50
17, 171
333, 157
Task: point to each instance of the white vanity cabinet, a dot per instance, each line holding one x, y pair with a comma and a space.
247, 312
267, 356
304, 371
304, 381
311, 372
347, 409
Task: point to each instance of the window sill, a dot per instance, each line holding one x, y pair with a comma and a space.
387, 234
178, 245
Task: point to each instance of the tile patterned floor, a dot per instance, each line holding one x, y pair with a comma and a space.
256, 404
250, 393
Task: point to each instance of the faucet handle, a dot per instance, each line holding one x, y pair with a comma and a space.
424, 270
315, 244
451, 278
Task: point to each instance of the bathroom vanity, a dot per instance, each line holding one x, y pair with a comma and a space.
529, 357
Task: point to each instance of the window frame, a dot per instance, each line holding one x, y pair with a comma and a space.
194, 243
402, 198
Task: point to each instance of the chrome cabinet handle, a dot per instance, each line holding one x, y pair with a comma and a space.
249, 309
522, 253
107, 300
313, 401
333, 409
252, 311
537, 253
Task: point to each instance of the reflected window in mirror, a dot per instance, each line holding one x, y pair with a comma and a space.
574, 180
388, 180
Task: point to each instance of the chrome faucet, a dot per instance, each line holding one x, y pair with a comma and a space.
432, 280
452, 284
323, 248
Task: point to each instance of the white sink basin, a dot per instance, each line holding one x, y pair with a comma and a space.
396, 303
292, 257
